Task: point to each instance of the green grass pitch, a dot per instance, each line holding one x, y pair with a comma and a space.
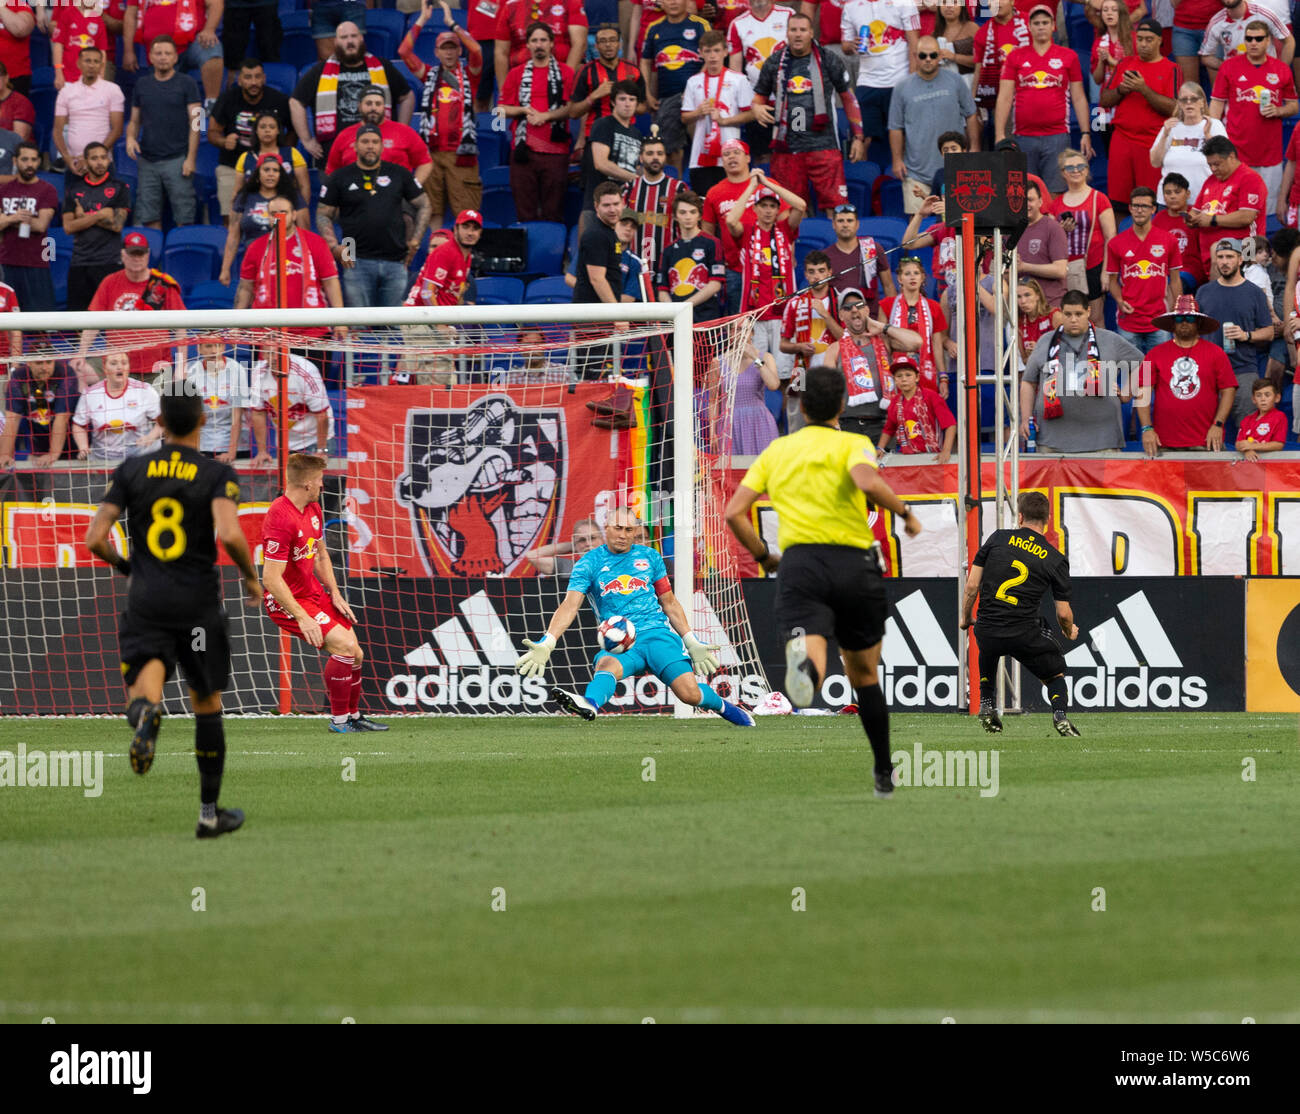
671, 899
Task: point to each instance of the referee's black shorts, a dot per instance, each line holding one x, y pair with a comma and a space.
833, 591
201, 648
1032, 647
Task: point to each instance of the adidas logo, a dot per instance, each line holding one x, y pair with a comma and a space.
916, 647
1133, 639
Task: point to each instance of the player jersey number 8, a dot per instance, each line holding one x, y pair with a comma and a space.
167, 514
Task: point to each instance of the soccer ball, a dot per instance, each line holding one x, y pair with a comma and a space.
616, 634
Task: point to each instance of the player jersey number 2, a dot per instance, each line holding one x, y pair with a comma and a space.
1022, 574
166, 523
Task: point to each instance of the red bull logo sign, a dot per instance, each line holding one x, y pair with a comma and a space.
974, 190
799, 84
1143, 269
624, 585
688, 277
674, 57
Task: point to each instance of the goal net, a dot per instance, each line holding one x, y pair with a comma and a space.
471, 462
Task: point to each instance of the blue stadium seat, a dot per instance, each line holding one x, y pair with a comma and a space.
864, 172
298, 48
545, 246
816, 231
891, 197
382, 44
295, 21
205, 235
495, 178
122, 162
572, 205
39, 45
571, 248
155, 238
411, 80
281, 75
426, 43
499, 206
504, 290
801, 250
210, 295
43, 102
392, 22
551, 290
42, 77
55, 180
859, 196
191, 264
884, 230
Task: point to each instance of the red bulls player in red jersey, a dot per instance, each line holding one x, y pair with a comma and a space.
302, 596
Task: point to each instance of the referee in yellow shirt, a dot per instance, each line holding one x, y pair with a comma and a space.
824, 484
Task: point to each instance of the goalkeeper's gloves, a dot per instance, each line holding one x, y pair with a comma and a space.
532, 663
704, 659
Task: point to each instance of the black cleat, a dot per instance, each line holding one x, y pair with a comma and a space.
360, 723
574, 705
1065, 728
228, 820
145, 737
885, 783
990, 719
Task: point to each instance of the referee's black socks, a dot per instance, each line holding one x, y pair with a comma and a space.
1059, 697
875, 721
210, 750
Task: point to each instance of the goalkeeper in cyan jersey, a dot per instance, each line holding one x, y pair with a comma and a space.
631, 580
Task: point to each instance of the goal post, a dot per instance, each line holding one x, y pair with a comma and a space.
683, 440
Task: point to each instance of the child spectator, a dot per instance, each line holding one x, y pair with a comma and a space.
918, 417
810, 324
1264, 431
913, 310
1037, 318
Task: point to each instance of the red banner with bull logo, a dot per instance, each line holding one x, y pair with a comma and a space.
466, 480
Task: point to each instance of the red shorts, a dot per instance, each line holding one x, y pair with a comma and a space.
825, 169
1128, 166
318, 607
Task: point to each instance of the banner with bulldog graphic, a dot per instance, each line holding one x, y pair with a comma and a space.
464, 481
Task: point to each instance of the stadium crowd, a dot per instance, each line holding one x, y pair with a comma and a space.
780, 158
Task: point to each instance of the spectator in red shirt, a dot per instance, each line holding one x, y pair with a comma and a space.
401, 142
536, 95
76, 26
193, 31
1265, 430
311, 278
447, 123
445, 274
912, 310
1193, 385
1142, 272
1036, 82
1230, 203
994, 42
481, 15
918, 417
1243, 84
1142, 91
766, 260
134, 287
17, 22
566, 19
16, 112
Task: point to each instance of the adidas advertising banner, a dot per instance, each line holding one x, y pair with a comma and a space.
1121, 516
1273, 645
1144, 645
463, 481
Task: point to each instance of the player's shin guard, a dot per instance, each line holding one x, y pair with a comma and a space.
354, 700
338, 683
709, 700
136, 710
1059, 696
210, 750
875, 721
600, 688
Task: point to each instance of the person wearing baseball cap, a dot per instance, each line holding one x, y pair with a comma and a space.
402, 144
448, 125
918, 417
1143, 91
1036, 82
1188, 394
134, 287
1246, 316
445, 274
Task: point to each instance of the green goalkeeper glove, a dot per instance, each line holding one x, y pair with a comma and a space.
532, 663
704, 659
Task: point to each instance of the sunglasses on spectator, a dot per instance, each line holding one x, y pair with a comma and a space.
1190, 100
1184, 319
927, 54
846, 209
1076, 168
1257, 38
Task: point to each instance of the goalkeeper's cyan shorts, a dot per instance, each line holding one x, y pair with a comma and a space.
659, 651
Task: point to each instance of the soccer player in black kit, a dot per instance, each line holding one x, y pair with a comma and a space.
177, 502
1009, 574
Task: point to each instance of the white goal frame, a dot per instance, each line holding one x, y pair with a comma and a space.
680, 315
